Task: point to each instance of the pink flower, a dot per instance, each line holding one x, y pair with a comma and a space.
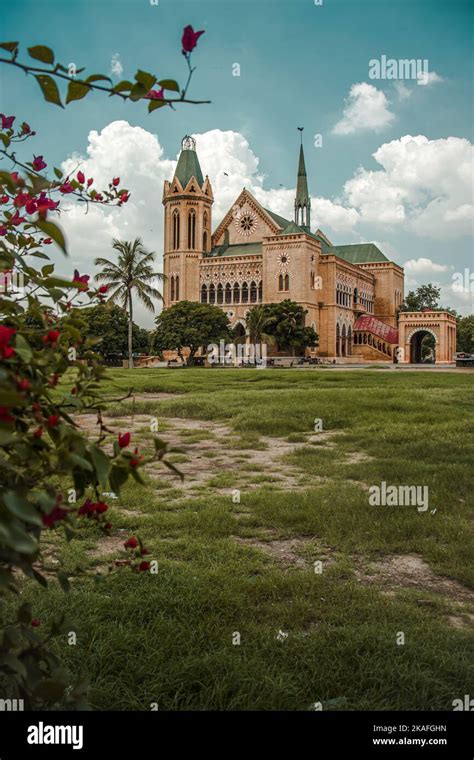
123, 197
4, 199
45, 204
89, 182
124, 440
31, 207
3, 231
16, 219
116, 181
80, 178
81, 279
6, 334
66, 188
38, 163
7, 121
190, 38
21, 199
155, 94
47, 241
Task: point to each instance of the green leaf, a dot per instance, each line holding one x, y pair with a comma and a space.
42, 53
10, 46
5, 140
63, 581
101, 463
13, 663
98, 78
169, 84
49, 89
59, 174
137, 92
53, 231
145, 78
23, 348
118, 476
123, 85
76, 91
19, 506
20, 540
47, 269
154, 104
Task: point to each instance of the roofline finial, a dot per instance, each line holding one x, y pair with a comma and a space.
301, 133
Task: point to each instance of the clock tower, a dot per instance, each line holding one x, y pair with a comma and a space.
188, 203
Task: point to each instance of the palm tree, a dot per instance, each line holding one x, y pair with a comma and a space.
258, 321
133, 271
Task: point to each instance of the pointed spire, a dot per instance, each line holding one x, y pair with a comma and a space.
302, 200
188, 163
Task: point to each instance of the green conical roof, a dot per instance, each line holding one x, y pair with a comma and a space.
188, 163
302, 194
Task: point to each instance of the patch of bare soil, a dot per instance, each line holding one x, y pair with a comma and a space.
411, 571
286, 552
200, 470
107, 546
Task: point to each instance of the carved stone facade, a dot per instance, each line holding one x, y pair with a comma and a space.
351, 294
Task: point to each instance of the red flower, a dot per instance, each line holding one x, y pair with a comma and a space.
3, 230
56, 515
81, 279
66, 187
108, 526
53, 380
38, 432
81, 178
4, 199
7, 121
86, 508
90, 181
116, 181
144, 551
131, 543
5, 415
25, 128
101, 507
35, 622
47, 241
144, 566
16, 219
21, 200
23, 384
190, 38
123, 197
45, 204
38, 163
53, 420
51, 337
124, 440
103, 289
31, 207
6, 333
155, 94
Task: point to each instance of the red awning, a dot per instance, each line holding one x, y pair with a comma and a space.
376, 327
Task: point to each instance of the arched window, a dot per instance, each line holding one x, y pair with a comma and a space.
349, 341
287, 281
204, 294
280, 282
177, 288
343, 342
204, 241
355, 296
253, 292
228, 293
192, 229
212, 293
236, 292
338, 340
260, 291
175, 229
172, 288
220, 294
245, 292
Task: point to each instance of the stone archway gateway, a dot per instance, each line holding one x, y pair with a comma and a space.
414, 326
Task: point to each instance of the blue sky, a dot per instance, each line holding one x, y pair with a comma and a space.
298, 62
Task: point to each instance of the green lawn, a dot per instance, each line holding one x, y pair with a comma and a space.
248, 567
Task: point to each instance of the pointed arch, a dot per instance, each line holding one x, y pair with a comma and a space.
192, 229
280, 282
204, 294
220, 293
228, 293
212, 293
236, 293
245, 292
287, 281
176, 223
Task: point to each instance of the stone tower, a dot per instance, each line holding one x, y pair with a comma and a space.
302, 200
188, 203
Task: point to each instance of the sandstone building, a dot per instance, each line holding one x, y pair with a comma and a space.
351, 292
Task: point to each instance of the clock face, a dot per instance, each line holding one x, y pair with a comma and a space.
246, 223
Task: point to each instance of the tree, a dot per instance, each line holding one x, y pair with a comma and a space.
424, 297
109, 323
133, 271
286, 326
465, 334
190, 325
259, 323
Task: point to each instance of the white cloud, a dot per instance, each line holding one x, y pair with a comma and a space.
116, 68
366, 108
433, 78
422, 183
425, 184
425, 266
